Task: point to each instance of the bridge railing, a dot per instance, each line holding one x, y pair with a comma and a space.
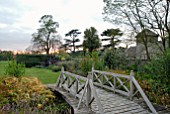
80, 87
125, 85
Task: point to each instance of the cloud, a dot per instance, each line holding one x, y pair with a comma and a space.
19, 18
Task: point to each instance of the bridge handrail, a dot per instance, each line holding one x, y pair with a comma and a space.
69, 79
132, 82
149, 104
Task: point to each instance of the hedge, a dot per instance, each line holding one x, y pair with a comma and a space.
35, 60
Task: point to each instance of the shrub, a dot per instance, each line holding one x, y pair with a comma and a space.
114, 59
28, 95
158, 72
63, 56
14, 69
54, 68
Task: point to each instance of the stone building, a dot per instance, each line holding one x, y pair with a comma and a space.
145, 37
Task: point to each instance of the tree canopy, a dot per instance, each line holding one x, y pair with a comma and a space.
111, 34
46, 37
91, 39
73, 34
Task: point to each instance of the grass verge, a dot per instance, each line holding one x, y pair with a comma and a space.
46, 76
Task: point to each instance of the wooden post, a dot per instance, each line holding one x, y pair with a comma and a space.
102, 80
62, 69
114, 84
88, 96
62, 72
68, 83
77, 84
92, 73
59, 81
131, 85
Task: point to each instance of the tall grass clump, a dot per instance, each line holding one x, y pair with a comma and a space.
15, 69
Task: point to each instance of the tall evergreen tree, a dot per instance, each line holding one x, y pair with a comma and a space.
91, 39
111, 34
73, 34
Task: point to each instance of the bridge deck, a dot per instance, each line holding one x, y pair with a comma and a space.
111, 103
116, 104
78, 91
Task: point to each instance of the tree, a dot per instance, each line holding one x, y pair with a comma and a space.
65, 47
140, 15
46, 36
73, 34
112, 33
91, 39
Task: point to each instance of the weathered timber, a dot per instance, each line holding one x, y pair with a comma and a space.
71, 100
92, 93
129, 92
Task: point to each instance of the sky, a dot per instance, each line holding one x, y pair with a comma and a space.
19, 19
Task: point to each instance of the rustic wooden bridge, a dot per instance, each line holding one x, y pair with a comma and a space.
103, 93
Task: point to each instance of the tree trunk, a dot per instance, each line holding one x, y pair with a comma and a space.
73, 45
48, 51
145, 42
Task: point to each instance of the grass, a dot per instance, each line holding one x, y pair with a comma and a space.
46, 76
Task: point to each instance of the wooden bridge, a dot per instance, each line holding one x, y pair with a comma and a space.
103, 93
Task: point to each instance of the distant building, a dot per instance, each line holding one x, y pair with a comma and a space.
139, 51
131, 53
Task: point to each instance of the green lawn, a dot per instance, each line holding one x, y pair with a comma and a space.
46, 76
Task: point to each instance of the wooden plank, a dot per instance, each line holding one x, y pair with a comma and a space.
75, 75
109, 82
144, 96
112, 89
72, 101
96, 97
120, 110
83, 94
123, 84
97, 77
112, 74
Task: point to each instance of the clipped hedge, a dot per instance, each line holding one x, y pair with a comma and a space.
35, 60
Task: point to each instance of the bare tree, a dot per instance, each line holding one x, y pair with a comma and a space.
140, 15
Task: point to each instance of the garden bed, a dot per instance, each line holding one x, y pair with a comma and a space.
26, 95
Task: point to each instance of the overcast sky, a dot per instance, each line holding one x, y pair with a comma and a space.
19, 19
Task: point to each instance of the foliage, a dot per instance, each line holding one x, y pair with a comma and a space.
91, 39
34, 59
112, 33
27, 94
146, 85
68, 65
54, 68
73, 34
15, 69
86, 65
46, 76
62, 55
6, 55
159, 71
88, 61
114, 59
46, 37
